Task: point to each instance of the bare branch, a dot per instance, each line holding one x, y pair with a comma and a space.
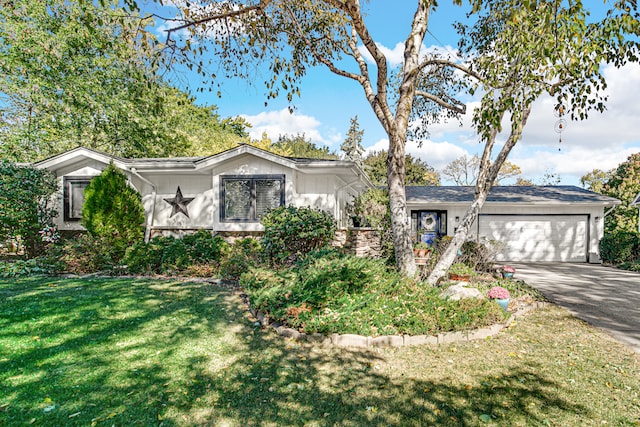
445, 62
458, 108
220, 16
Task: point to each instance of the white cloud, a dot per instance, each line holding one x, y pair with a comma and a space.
283, 122
395, 55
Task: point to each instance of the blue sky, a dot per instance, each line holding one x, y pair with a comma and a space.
328, 102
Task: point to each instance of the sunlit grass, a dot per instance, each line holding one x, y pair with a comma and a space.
140, 352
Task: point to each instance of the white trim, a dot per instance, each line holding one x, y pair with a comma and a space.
214, 160
72, 156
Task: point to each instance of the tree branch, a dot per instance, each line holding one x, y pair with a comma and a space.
439, 61
458, 108
319, 57
219, 16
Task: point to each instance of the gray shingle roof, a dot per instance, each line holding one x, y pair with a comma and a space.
509, 194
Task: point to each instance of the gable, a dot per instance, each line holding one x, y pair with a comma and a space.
79, 156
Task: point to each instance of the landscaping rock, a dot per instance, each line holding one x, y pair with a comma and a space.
459, 291
419, 340
388, 341
350, 340
288, 332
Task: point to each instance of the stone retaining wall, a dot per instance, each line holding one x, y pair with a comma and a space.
352, 340
363, 242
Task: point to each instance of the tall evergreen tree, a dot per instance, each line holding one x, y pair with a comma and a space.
352, 146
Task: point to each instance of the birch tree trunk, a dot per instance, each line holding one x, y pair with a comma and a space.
486, 177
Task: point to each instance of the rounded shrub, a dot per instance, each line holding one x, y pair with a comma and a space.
291, 232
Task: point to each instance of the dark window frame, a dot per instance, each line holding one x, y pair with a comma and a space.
443, 218
68, 183
252, 209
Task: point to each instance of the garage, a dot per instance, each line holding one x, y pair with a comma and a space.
537, 237
558, 223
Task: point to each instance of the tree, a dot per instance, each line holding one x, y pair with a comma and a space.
113, 211
76, 73
290, 36
418, 172
624, 185
524, 182
550, 178
522, 51
25, 204
464, 170
352, 146
596, 179
299, 146
516, 51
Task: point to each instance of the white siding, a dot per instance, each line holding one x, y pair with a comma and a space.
193, 186
593, 225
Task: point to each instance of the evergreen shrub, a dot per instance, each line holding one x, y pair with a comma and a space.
169, 254
241, 256
291, 232
113, 211
331, 292
25, 205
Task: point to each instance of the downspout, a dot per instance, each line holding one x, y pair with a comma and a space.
154, 192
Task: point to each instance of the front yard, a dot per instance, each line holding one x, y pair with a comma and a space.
146, 352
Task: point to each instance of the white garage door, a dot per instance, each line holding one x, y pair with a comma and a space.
537, 237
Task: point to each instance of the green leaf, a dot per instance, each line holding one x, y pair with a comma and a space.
485, 418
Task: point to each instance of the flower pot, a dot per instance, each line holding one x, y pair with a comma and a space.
504, 303
460, 277
421, 253
421, 256
507, 275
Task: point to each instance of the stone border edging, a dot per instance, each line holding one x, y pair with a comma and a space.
353, 340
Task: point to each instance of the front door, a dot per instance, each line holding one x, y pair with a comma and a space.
430, 225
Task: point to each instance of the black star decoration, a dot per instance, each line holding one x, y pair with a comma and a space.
179, 203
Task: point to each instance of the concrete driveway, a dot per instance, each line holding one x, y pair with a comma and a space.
605, 297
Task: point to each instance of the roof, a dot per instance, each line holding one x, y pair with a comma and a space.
351, 172
551, 194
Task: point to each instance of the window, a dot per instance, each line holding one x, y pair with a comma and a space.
74, 196
247, 198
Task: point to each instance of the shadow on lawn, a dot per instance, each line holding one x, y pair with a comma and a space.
146, 353
98, 352
298, 385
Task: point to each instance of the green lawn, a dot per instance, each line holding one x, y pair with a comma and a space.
129, 352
